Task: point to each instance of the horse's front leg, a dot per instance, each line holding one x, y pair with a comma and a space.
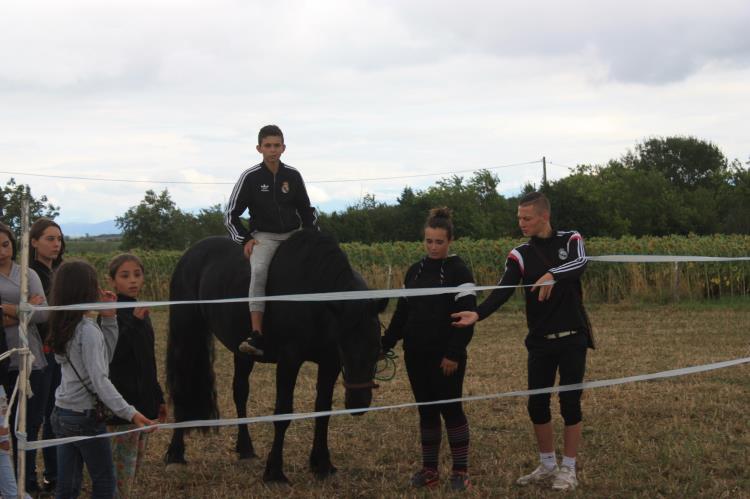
287, 370
175, 456
243, 366
320, 457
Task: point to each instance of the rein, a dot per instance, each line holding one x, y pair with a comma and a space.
387, 363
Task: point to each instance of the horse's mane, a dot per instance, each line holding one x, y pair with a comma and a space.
318, 260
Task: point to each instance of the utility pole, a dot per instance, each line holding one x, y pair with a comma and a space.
544, 172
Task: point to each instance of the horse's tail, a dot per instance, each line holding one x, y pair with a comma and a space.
190, 352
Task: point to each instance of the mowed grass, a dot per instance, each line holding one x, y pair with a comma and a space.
679, 437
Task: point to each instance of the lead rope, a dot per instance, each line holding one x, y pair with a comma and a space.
388, 365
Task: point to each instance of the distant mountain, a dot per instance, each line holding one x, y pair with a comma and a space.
80, 229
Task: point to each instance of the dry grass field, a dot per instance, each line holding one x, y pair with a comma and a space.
681, 437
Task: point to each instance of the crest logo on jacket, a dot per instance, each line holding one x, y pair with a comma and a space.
264, 188
285, 187
562, 254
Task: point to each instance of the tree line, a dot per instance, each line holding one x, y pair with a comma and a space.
673, 185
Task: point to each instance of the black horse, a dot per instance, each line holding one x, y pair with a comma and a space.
335, 334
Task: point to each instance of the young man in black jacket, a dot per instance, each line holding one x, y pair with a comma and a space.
559, 332
275, 197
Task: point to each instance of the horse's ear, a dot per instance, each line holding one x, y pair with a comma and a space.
379, 305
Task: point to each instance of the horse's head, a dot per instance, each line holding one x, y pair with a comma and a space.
359, 348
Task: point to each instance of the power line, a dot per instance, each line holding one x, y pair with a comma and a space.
99, 179
326, 181
561, 165
424, 174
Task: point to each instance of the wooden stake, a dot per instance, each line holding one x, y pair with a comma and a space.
23, 372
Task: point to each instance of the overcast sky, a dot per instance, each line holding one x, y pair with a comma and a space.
177, 90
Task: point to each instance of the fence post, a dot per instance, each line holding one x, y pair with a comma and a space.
23, 372
676, 283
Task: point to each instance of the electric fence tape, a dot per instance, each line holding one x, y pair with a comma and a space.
381, 293
40, 444
378, 294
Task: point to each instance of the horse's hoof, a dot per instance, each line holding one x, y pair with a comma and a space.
323, 473
248, 456
275, 477
322, 468
174, 468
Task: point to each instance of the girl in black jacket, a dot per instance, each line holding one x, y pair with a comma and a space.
132, 371
435, 352
47, 248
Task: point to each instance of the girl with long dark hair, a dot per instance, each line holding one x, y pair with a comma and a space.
133, 371
47, 247
10, 295
84, 349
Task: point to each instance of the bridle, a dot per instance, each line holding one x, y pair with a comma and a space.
359, 386
366, 385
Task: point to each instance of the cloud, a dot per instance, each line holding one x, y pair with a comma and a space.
638, 41
177, 90
90, 47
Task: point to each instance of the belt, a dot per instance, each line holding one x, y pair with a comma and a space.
561, 334
85, 412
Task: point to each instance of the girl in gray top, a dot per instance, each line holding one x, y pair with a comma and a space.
84, 349
10, 291
10, 296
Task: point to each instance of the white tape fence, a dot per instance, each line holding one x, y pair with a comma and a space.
378, 294
40, 444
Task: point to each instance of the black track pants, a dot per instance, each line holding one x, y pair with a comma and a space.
429, 383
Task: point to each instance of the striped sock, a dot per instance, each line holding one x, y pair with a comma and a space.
458, 438
430, 446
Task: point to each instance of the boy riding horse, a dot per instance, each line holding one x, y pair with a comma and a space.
275, 197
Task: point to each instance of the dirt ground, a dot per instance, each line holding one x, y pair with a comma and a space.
679, 437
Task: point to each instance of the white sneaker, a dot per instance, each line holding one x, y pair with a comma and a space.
539, 475
565, 479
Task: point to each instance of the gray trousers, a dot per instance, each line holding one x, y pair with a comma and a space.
260, 260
